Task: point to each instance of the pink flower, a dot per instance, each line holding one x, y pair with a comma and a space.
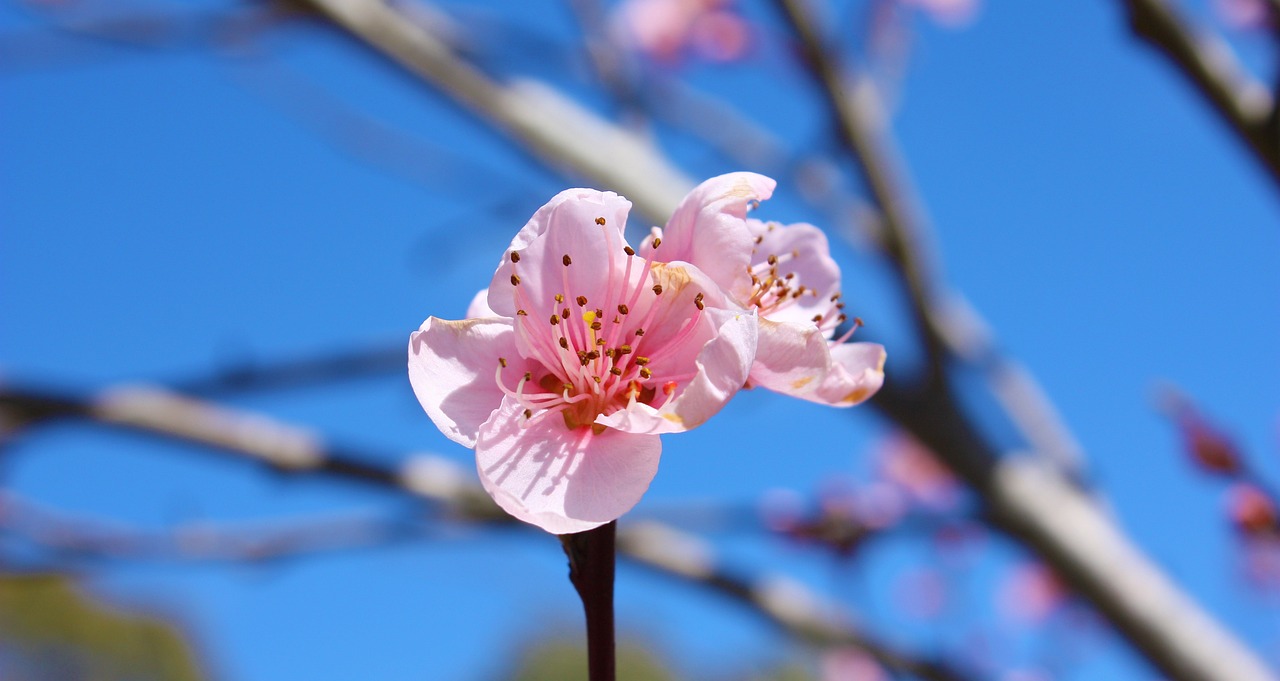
787, 275
580, 355
951, 13
666, 29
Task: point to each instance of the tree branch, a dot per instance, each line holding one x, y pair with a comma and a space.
1209, 64
297, 451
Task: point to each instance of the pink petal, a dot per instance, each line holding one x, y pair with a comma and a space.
803, 251
479, 306
708, 230
562, 480
452, 367
566, 225
791, 358
857, 372
722, 365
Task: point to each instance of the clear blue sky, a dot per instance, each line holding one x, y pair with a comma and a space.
166, 211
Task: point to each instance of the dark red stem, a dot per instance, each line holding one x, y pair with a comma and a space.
592, 558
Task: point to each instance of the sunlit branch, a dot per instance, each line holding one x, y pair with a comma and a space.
1209, 64
293, 450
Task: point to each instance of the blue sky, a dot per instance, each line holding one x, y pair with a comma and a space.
167, 211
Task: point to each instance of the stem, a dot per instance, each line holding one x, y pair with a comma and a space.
591, 567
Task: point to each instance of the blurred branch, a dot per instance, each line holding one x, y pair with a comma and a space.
80, 536
1209, 64
855, 106
293, 450
1042, 509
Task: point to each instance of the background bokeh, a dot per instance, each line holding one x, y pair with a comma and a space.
216, 195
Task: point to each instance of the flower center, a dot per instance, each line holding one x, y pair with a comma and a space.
775, 287
600, 350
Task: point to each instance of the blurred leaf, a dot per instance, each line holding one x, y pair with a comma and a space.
49, 631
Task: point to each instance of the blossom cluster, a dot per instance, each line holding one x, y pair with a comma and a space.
583, 350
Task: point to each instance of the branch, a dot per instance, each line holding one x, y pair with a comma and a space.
1209, 64
296, 451
1077, 539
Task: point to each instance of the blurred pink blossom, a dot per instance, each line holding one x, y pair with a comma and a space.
668, 30
849, 664
1031, 593
951, 13
907, 463
1242, 14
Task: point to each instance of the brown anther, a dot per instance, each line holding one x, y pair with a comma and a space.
759, 239
624, 350
564, 314
599, 313
599, 341
596, 326
564, 342
611, 353
657, 241
623, 309
817, 318
772, 260
645, 372
616, 371
657, 289
515, 257
521, 313
617, 319
841, 318
790, 276
566, 260
628, 250
639, 332
599, 221
697, 301
839, 306
596, 379
559, 297
527, 412
593, 355
857, 321
502, 361
528, 375
835, 297
641, 360
582, 301
795, 253
515, 280
555, 319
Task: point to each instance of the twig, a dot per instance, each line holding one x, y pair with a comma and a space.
292, 450
1208, 63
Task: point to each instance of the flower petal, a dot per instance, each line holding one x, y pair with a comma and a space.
722, 366
451, 367
857, 372
791, 358
804, 254
479, 306
708, 230
559, 479
566, 225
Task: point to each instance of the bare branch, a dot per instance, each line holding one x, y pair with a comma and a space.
293, 450
1209, 64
